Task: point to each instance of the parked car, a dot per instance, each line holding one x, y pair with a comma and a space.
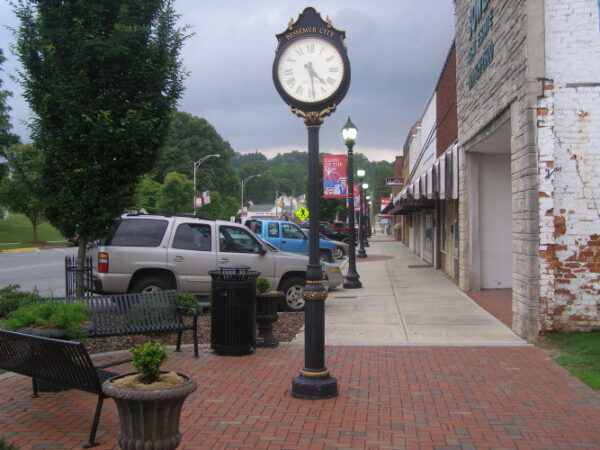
289, 237
150, 253
331, 233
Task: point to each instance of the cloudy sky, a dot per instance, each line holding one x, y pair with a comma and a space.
396, 50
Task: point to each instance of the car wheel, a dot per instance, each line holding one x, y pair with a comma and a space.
150, 284
338, 252
325, 255
293, 287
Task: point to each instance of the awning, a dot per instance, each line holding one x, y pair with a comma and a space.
438, 181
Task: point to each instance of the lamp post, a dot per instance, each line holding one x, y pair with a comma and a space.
367, 219
349, 133
361, 219
244, 181
365, 186
196, 164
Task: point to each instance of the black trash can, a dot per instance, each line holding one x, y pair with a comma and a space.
233, 310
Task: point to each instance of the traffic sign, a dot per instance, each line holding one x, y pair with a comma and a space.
302, 213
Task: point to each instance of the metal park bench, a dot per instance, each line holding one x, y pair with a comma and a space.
123, 314
64, 362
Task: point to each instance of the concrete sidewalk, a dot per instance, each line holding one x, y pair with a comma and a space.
406, 302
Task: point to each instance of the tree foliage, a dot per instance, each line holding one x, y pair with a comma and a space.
176, 194
220, 207
189, 139
23, 191
6, 137
102, 79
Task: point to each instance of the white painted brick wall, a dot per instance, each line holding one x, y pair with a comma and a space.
569, 141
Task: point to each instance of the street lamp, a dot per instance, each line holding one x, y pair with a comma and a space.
368, 219
361, 220
365, 213
349, 133
196, 164
244, 181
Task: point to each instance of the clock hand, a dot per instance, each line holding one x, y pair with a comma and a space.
312, 74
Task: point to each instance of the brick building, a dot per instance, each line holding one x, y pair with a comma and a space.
526, 158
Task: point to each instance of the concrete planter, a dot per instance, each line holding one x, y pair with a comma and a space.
149, 419
266, 315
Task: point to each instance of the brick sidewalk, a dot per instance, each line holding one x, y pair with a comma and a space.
390, 397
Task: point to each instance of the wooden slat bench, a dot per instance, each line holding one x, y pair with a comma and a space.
123, 314
64, 362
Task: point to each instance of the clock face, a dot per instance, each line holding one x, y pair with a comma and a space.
310, 70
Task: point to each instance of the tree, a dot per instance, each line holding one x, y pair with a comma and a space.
6, 137
220, 207
189, 139
102, 79
22, 192
146, 194
176, 194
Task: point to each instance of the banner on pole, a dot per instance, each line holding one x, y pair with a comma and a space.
356, 198
197, 202
206, 197
334, 176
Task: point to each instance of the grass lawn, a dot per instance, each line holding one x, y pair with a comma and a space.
16, 231
579, 353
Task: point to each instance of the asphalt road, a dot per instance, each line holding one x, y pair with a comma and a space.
43, 270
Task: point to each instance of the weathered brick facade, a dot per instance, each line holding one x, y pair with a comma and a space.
568, 121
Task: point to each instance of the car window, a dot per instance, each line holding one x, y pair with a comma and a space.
139, 233
273, 229
255, 226
291, 231
192, 236
237, 240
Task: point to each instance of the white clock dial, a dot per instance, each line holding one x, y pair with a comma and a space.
310, 70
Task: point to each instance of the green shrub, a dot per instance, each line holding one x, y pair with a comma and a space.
11, 299
262, 285
397, 227
188, 300
6, 446
147, 358
45, 315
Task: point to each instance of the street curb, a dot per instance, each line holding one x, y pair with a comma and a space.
14, 250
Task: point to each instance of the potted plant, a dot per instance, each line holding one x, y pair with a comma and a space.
149, 401
266, 312
398, 231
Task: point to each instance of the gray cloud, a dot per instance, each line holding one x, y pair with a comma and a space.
396, 49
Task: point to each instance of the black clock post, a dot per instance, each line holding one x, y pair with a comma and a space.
311, 72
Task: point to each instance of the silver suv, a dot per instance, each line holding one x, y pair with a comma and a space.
153, 252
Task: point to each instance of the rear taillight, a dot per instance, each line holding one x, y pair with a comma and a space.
103, 262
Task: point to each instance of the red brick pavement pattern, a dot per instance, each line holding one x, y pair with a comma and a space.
390, 397
498, 302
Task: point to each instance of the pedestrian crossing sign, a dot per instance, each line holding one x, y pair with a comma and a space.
302, 213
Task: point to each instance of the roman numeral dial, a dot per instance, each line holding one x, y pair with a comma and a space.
310, 70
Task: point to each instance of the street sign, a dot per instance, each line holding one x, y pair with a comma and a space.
302, 213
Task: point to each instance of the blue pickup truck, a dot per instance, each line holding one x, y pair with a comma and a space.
289, 237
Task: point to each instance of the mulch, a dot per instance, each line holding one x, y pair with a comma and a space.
285, 329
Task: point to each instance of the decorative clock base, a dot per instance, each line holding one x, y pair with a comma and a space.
314, 387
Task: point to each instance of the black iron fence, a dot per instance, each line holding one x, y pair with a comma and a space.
71, 275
